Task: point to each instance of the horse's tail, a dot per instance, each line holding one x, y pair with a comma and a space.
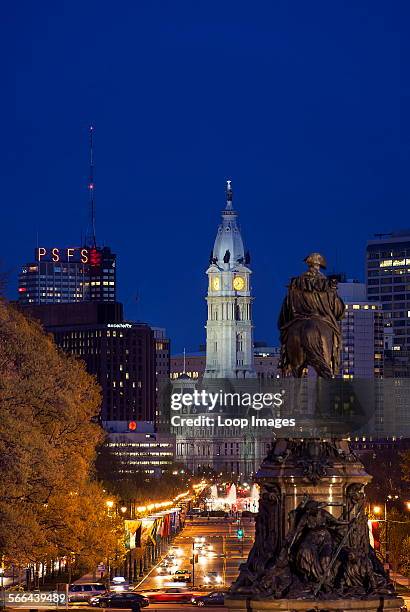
312, 342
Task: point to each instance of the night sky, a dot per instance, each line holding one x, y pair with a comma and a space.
303, 104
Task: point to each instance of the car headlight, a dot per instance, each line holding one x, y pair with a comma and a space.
206, 579
218, 579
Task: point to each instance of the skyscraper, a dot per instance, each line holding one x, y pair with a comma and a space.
162, 372
66, 275
122, 357
362, 333
73, 274
388, 282
121, 354
229, 329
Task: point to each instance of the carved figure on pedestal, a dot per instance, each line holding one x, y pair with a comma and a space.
315, 560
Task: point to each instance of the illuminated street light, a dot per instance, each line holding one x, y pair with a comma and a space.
123, 509
377, 509
109, 503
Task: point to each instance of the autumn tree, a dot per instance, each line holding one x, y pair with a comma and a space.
47, 448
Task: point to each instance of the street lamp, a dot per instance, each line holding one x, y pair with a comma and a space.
378, 510
123, 509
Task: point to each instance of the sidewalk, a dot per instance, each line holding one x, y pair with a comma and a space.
90, 578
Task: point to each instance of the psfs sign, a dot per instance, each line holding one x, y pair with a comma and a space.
67, 255
55, 254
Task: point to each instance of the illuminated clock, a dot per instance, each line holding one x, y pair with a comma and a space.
216, 283
238, 283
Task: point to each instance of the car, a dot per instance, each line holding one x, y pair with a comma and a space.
118, 583
84, 591
213, 578
170, 595
120, 600
181, 575
216, 598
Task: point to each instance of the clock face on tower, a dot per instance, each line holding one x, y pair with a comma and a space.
216, 283
238, 283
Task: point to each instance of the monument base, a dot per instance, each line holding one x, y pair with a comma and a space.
392, 604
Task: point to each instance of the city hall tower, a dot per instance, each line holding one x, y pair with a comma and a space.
229, 329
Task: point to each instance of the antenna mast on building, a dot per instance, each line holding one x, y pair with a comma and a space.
91, 190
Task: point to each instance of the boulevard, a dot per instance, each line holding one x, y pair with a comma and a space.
228, 551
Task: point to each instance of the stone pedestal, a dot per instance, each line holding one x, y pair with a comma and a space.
311, 540
323, 470
392, 604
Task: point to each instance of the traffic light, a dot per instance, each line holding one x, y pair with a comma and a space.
239, 533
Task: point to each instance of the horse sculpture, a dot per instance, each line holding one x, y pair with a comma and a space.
309, 323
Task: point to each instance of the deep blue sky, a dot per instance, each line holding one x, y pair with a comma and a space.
304, 104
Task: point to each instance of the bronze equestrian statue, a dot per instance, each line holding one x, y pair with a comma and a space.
309, 323
323, 550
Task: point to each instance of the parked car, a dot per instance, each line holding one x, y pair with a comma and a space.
170, 595
84, 591
120, 600
216, 598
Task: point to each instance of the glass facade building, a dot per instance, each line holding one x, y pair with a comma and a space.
388, 282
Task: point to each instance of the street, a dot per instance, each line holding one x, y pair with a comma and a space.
228, 551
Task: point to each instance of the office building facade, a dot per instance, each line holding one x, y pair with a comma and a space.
362, 333
388, 282
162, 374
135, 448
120, 354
